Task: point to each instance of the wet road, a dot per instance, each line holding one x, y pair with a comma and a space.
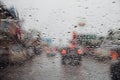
50, 68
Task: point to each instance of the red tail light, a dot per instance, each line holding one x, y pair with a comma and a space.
64, 52
79, 51
115, 56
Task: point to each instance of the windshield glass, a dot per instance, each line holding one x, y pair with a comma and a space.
59, 39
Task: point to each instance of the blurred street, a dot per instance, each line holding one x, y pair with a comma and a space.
50, 68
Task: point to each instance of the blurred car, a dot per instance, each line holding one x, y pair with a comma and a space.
71, 55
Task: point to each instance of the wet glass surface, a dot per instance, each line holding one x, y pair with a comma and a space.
59, 40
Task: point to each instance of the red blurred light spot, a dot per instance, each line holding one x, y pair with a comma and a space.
115, 56
79, 51
64, 52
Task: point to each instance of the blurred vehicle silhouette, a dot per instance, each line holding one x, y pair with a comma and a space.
71, 55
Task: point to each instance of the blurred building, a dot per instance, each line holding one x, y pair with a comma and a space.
10, 43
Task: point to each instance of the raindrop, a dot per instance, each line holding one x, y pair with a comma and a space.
68, 32
63, 11
79, 6
46, 28
30, 15
54, 38
113, 2
118, 20
43, 33
37, 20
63, 20
98, 7
75, 26
81, 24
86, 7
103, 16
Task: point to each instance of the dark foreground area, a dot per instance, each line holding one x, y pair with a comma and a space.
50, 68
